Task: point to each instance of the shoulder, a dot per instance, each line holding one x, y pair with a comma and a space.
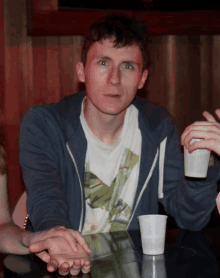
155, 116
66, 109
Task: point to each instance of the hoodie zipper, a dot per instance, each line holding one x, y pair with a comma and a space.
74, 162
144, 187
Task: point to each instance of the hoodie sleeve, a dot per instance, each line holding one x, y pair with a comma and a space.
47, 206
189, 200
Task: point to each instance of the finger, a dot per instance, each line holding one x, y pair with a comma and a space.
81, 240
202, 132
192, 135
76, 267
212, 127
74, 272
86, 270
194, 126
217, 112
218, 202
209, 144
52, 265
202, 123
64, 269
209, 117
64, 265
205, 143
183, 136
195, 146
51, 244
209, 133
44, 256
38, 246
86, 266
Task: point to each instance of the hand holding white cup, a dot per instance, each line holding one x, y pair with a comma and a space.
196, 163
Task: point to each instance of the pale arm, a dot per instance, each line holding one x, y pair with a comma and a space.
10, 234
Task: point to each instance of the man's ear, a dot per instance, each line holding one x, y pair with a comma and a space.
143, 79
80, 71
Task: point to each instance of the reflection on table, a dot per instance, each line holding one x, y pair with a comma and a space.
119, 254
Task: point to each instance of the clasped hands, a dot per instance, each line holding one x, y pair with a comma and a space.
67, 250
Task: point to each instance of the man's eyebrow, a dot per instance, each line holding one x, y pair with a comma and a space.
130, 62
103, 57
122, 62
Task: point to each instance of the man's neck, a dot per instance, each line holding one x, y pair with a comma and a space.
107, 128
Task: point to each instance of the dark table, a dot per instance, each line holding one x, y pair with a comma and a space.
119, 254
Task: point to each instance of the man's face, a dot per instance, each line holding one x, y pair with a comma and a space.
112, 77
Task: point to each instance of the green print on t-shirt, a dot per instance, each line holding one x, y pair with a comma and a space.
108, 197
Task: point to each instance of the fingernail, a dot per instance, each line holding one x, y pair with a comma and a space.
65, 269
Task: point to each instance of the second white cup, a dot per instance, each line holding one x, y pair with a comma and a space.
153, 230
196, 163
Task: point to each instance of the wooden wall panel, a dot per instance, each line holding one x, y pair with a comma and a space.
77, 47
12, 122
2, 63
46, 5
170, 70
2, 90
206, 72
66, 65
182, 80
70, 50
25, 71
53, 75
156, 82
39, 69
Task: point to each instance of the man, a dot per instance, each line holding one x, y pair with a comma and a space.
97, 160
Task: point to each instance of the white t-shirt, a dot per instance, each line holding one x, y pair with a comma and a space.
111, 176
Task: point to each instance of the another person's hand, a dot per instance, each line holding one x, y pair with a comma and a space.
63, 258
208, 130
71, 236
46, 240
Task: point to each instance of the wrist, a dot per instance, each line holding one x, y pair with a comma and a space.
25, 238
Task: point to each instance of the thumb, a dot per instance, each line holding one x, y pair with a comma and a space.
38, 246
44, 256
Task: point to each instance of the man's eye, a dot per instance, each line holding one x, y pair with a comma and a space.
129, 66
103, 63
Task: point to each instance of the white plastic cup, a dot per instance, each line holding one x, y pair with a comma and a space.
153, 230
196, 163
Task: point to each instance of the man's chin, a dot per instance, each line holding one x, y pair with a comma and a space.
115, 111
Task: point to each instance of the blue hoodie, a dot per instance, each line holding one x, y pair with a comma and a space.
52, 155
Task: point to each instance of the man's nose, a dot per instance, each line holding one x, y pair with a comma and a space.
114, 78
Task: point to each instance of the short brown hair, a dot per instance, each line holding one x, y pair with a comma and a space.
125, 31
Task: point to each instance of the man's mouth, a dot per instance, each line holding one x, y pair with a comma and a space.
112, 96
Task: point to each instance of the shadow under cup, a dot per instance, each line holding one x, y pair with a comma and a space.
153, 230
